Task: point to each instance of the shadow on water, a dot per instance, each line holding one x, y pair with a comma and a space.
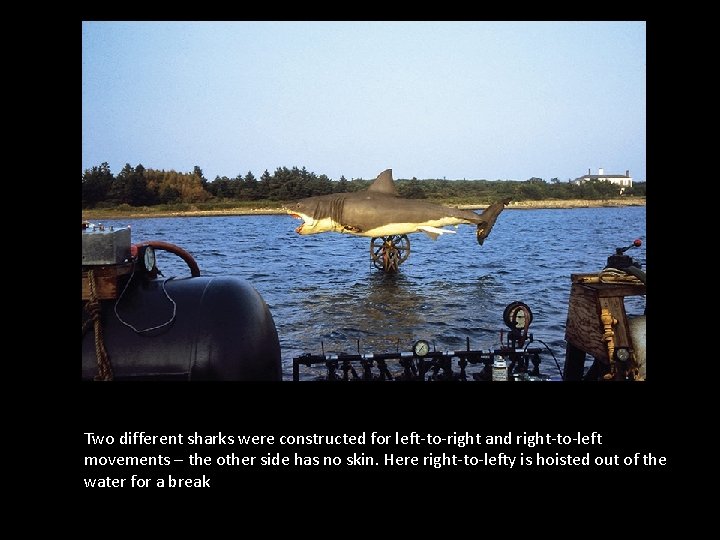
381, 311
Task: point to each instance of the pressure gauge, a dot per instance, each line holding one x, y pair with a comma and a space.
517, 315
622, 354
148, 258
421, 347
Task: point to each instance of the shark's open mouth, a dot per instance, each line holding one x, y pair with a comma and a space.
298, 216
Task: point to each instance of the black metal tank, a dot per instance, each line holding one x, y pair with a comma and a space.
195, 329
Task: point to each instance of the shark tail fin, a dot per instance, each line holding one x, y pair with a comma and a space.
489, 216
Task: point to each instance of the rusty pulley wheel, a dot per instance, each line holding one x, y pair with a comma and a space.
389, 252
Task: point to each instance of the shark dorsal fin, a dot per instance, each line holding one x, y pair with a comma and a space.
384, 184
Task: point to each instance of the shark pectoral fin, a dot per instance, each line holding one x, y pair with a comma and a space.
434, 232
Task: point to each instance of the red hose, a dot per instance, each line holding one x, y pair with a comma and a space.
180, 252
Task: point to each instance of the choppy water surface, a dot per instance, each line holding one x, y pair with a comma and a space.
323, 288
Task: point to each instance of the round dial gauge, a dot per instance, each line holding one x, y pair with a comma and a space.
421, 347
517, 315
149, 258
622, 354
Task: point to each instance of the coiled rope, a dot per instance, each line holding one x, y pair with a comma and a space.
94, 309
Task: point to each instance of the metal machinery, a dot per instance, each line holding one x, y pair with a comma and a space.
138, 325
598, 324
387, 253
515, 360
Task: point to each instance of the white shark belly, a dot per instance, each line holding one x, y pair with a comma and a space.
390, 229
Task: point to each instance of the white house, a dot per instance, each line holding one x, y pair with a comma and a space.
624, 180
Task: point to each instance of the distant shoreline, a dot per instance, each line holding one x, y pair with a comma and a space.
148, 212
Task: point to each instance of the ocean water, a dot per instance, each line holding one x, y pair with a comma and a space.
325, 295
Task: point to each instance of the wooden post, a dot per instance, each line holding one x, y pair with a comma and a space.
574, 363
590, 295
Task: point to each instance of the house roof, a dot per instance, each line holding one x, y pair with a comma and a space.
604, 176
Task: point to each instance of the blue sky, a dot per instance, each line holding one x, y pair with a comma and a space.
492, 100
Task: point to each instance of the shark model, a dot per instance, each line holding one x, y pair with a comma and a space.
379, 211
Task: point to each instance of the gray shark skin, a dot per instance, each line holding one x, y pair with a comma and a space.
379, 211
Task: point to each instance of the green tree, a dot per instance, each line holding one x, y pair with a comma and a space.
237, 187
212, 187
596, 189
138, 192
412, 189
532, 191
264, 185
169, 195
143, 187
319, 185
120, 190
130, 187
637, 189
251, 186
222, 187
96, 184
197, 171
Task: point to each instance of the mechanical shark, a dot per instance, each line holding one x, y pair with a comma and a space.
379, 211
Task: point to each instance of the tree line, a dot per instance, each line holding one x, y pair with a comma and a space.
138, 186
